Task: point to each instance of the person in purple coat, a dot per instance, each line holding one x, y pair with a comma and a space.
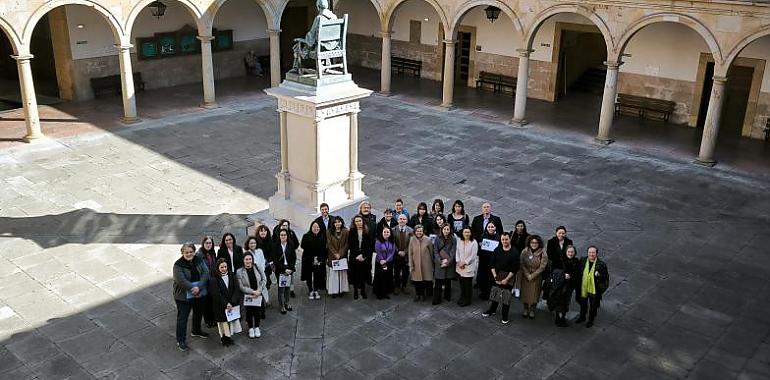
385, 249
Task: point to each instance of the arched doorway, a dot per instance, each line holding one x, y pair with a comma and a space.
241, 45
9, 73
668, 77
365, 37
167, 52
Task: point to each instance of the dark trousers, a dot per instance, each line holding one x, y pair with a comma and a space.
183, 313
420, 287
446, 284
592, 309
253, 315
484, 275
208, 310
400, 272
383, 280
316, 279
466, 290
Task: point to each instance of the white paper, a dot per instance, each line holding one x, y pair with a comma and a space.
341, 264
516, 292
458, 225
252, 300
284, 281
489, 245
233, 314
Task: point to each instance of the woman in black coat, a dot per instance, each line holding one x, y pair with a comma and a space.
207, 253
313, 258
285, 260
361, 246
490, 239
557, 248
231, 252
225, 295
285, 225
421, 217
457, 218
519, 235
591, 289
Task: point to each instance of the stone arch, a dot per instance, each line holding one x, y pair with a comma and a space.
390, 14
377, 8
569, 8
470, 4
197, 15
5, 29
264, 5
683, 19
742, 43
112, 21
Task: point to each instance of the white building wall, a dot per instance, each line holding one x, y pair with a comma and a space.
363, 17
416, 10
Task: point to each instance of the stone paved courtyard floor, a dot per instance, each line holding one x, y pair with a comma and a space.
90, 226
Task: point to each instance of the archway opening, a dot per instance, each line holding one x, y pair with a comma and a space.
485, 52
241, 46
296, 19
364, 39
166, 50
49, 44
417, 49
9, 75
746, 111
568, 57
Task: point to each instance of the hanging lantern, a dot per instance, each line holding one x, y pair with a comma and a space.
492, 13
157, 9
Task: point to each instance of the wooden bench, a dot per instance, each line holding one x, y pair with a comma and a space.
111, 84
399, 65
643, 107
499, 82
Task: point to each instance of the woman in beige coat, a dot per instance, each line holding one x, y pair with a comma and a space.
420, 262
533, 262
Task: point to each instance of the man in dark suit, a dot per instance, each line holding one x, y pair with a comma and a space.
479, 223
325, 219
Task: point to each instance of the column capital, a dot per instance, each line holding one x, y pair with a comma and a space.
23, 57
450, 42
612, 65
273, 31
524, 52
719, 79
205, 39
123, 47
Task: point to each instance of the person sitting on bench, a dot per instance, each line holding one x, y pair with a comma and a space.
253, 67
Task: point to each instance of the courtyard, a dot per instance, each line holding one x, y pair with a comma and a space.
92, 220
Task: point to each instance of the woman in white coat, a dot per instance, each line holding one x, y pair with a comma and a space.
467, 263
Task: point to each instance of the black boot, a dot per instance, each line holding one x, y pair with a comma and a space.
448, 291
491, 311
506, 308
363, 292
355, 293
437, 296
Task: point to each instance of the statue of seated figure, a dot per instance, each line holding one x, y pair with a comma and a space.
331, 40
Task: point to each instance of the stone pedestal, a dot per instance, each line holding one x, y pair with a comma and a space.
319, 146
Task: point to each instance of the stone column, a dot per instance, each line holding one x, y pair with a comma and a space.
355, 178
385, 67
608, 103
449, 73
708, 141
207, 67
127, 83
275, 56
28, 98
522, 84
283, 175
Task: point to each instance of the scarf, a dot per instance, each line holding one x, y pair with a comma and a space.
588, 286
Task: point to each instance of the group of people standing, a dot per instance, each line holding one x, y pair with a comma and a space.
430, 249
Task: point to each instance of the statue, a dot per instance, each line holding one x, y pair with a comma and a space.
306, 48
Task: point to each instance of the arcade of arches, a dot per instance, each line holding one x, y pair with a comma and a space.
708, 60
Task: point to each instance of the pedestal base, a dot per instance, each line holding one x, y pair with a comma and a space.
301, 215
519, 123
706, 163
602, 141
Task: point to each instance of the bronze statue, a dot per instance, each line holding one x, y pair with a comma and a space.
303, 47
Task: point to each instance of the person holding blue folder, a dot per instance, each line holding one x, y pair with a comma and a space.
191, 276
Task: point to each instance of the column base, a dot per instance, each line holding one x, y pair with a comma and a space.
447, 106
706, 163
384, 93
130, 120
354, 186
33, 138
209, 105
603, 141
519, 123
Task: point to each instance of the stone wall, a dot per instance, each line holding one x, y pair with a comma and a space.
678, 91
365, 51
167, 72
761, 116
